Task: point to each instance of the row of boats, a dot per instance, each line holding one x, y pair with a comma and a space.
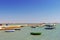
12, 30
46, 26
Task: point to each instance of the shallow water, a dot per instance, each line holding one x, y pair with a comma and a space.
24, 34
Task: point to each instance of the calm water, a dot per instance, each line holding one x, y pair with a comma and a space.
24, 34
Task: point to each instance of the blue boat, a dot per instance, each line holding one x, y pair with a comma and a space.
49, 28
9, 30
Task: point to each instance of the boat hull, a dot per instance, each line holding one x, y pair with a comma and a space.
9, 30
17, 29
35, 33
49, 28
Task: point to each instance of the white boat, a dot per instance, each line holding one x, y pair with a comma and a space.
9, 30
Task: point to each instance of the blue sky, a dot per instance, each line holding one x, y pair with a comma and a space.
29, 11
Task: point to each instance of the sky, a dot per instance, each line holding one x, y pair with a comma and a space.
29, 11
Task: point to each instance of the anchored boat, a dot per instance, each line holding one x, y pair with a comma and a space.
49, 28
9, 30
49, 25
33, 27
35, 33
17, 29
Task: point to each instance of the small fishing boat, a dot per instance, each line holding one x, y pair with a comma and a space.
6, 24
21, 26
37, 26
49, 25
33, 27
9, 30
49, 28
17, 29
35, 33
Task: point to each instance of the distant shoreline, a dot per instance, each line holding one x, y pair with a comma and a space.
20, 23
